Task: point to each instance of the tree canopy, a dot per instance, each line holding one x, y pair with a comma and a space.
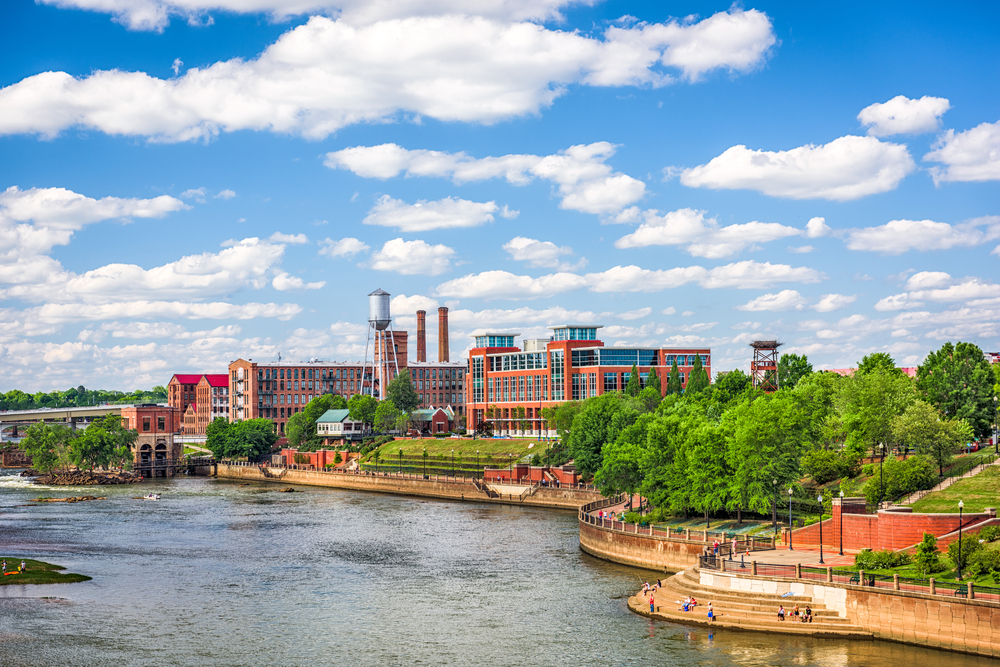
958, 381
698, 380
401, 392
301, 427
792, 368
674, 379
251, 438
362, 408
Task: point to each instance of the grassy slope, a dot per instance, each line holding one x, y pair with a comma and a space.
465, 447
37, 572
978, 492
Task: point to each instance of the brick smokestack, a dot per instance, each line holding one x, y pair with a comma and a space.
443, 334
421, 335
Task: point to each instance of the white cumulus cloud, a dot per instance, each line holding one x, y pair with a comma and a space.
899, 236
830, 302
937, 286
297, 239
344, 247
330, 73
283, 282
845, 169
973, 155
447, 213
817, 228
702, 237
586, 183
901, 115
536, 253
788, 299
412, 258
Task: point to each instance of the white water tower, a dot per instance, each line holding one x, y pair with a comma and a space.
384, 350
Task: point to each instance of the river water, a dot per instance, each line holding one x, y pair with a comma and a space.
223, 573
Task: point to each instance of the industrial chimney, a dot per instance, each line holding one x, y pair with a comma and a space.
443, 334
421, 335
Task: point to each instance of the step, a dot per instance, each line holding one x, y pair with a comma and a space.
701, 590
671, 596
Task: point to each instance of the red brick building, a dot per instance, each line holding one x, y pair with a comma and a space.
206, 393
155, 425
509, 386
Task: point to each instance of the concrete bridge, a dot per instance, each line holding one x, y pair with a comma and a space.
12, 422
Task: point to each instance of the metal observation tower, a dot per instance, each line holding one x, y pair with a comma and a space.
384, 348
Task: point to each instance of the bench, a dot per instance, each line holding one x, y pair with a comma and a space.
855, 580
962, 590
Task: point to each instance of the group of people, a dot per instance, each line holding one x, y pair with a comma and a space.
601, 514
17, 571
802, 616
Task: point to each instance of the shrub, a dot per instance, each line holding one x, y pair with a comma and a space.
869, 560
634, 517
825, 466
868, 469
536, 460
301, 458
983, 560
969, 548
900, 478
928, 556
990, 533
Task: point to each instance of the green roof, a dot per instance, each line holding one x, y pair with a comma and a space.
425, 414
333, 416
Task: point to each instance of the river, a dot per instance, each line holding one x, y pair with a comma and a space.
220, 573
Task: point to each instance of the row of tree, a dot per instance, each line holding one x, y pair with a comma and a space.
731, 447
78, 396
105, 443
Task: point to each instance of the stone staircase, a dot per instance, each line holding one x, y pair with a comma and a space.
741, 610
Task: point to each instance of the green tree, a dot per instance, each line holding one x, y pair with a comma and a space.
362, 408
958, 380
708, 470
674, 380
217, 437
654, 381
632, 388
868, 402
621, 468
698, 381
387, 415
876, 361
43, 442
922, 428
895, 479
105, 442
591, 429
791, 369
252, 438
649, 398
301, 427
729, 386
825, 466
401, 392
928, 556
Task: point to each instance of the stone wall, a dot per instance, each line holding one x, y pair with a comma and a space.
645, 551
956, 624
560, 498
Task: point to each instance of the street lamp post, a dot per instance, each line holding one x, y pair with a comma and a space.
774, 505
881, 479
820, 499
841, 523
477, 461
400, 469
996, 428
453, 464
510, 465
960, 506
790, 519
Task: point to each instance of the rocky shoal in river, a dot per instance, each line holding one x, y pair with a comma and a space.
86, 478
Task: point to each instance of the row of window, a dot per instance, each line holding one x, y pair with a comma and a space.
494, 341
445, 397
522, 361
575, 333
521, 388
421, 385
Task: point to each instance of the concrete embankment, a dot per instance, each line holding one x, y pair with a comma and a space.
646, 551
407, 485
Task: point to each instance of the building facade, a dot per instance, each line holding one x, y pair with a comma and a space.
509, 385
277, 390
155, 425
198, 399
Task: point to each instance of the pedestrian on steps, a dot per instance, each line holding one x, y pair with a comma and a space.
711, 613
781, 613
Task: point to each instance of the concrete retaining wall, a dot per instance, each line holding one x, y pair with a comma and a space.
636, 549
967, 626
570, 499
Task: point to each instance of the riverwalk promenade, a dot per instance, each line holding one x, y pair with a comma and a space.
443, 487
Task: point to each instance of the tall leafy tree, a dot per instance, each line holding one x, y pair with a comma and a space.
401, 392
958, 381
301, 427
730, 386
791, 369
387, 415
922, 428
868, 402
632, 388
362, 408
674, 380
592, 429
708, 468
698, 381
44, 442
878, 360
654, 381
105, 442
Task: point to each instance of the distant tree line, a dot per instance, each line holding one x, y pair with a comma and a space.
105, 443
78, 396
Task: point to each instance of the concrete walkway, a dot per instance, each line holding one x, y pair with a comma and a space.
944, 484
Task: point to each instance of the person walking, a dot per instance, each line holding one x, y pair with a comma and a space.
651, 604
732, 551
781, 613
711, 613
22, 566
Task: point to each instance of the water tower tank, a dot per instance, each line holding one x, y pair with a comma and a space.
378, 309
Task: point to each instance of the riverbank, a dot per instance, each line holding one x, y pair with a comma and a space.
36, 572
439, 487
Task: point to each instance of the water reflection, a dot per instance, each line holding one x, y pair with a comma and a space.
218, 573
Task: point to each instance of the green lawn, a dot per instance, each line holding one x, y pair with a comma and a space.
465, 448
977, 493
37, 572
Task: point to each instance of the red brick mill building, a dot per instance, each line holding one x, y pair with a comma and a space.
571, 365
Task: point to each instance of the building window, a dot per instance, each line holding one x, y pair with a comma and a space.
643, 379
161, 423
610, 382
593, 384
145, 423
490, 399
576, 387
557, 364
530, 395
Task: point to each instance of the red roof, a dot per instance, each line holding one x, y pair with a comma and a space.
218, 380
188, 379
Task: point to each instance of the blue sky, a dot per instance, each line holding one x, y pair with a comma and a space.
186, 182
